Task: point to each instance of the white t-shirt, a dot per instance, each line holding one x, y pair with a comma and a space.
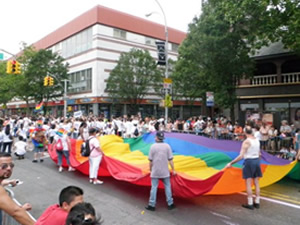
20, 147
63, 141
94, 143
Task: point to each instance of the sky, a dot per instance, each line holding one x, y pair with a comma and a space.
30, 20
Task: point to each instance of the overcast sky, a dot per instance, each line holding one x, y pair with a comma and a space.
30, 20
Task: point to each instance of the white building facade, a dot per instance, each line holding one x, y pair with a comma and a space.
91, 44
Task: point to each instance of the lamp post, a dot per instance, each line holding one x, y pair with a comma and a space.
166, 53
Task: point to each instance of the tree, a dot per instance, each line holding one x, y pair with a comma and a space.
217, 53
24, 91
135, 76
44, 63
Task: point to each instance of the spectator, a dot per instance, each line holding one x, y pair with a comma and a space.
95, 156
160, 156
57, 213
82, 214
6, 203
20, 148
264, 135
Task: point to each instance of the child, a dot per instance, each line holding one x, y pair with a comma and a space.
20, 148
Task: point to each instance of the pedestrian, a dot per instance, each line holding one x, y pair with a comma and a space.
62, 145
83, 214
160, 156
57, 213
6, 203
40, 141
250, 152
95, 156
7, 139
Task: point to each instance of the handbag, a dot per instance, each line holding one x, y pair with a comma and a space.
59, 145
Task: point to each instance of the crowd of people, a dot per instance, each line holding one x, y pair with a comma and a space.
282, 141
72, 209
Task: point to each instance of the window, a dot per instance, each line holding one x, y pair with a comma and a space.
174, 47
149, 41
81, 81
119, 33
77, 43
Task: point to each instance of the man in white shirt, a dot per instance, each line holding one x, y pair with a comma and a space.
20, 148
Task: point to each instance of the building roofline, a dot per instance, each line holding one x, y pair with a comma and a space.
113, 18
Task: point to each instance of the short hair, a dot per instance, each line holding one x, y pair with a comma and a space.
68, 194
21, 138
248, 130
92, 130
78, 212
4, 154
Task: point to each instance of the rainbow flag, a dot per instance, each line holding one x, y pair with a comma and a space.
199, 163
39, 107
61, 132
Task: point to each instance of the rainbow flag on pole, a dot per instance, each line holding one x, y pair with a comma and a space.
39, 107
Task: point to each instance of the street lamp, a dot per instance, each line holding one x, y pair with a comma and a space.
166, 52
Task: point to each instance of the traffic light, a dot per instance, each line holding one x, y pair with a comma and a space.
18, 68
161, 52
8, 67
51, 81
13, 66
46, 81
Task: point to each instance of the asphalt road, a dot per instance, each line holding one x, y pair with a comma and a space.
120, 202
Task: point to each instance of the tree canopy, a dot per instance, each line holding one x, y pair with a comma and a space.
219, 45
135, 76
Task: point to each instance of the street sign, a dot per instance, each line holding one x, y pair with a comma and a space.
168, 83
210, 99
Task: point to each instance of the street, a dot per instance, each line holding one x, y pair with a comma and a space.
120, 202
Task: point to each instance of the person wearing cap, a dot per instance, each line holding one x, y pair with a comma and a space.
160, 155
62, 137
95, 156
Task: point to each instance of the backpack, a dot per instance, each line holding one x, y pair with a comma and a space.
59, 145
136, 132
85, 150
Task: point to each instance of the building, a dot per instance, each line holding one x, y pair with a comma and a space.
274, 90
92, 44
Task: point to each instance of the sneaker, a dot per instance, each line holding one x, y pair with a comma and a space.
60, 169
172, 206
150, 208
248, 206
256, 205
34, 161
71, 169
41, 160
91, 180
98, 182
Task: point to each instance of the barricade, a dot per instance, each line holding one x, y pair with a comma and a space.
7, 219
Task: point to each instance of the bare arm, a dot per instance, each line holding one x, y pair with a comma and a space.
150, 165
172, 166
14, 210
244, 149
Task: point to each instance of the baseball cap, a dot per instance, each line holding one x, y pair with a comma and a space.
160, 135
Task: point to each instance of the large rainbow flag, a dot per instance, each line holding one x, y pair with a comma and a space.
199, 163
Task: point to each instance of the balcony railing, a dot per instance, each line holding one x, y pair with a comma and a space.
272, 79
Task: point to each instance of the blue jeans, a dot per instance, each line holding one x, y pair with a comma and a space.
60, 156
168, 191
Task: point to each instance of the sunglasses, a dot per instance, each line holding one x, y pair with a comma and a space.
4, 166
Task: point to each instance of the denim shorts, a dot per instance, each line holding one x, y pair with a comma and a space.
251, 168
38, 149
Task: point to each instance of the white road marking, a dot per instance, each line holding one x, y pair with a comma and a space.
277, 201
